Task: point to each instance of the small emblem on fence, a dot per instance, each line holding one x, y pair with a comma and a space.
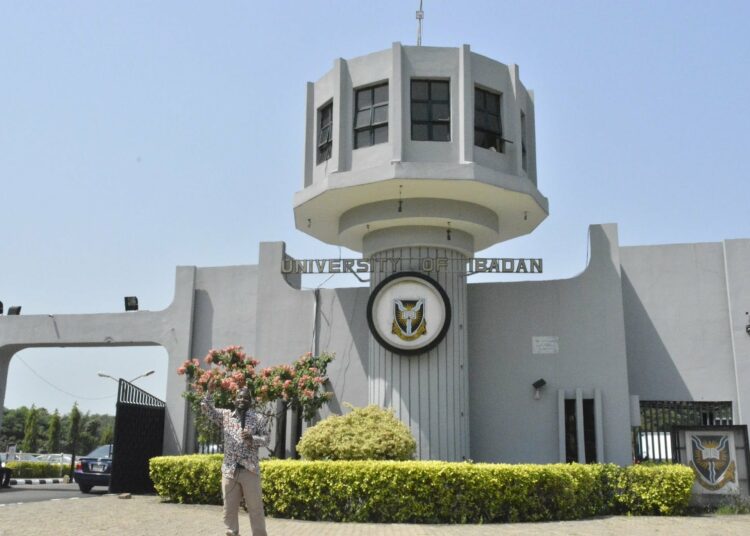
711, 458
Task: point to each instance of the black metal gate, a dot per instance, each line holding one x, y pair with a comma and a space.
139, 435
652, 440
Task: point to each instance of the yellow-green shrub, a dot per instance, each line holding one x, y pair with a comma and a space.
435, 492
654, 490
370, 433
38, 469
188, 479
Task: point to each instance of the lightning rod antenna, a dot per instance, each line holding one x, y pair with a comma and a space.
420, 16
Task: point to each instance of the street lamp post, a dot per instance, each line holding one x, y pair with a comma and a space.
105, 375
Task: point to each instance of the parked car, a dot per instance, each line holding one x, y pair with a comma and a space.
54, 458
94, 469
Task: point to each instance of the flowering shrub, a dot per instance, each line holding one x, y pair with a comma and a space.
300, 385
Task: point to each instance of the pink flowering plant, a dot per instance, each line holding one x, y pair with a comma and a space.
225, 371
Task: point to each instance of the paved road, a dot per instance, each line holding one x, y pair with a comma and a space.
44, 492
146, 516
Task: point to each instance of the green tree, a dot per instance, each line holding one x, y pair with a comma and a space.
108, 435
31, 431
74, 428
54, 433
11, 432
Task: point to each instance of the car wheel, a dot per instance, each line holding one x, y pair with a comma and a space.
85, 488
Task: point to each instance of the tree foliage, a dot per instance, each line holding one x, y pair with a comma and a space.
299, 385
54, 433
31, 431
54, 430
74, 428
370, 433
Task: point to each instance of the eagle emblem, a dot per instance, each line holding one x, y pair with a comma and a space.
711, 461
408, 319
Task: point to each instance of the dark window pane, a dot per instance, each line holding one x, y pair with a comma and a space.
325, 114
362, 138
380, 114
324, 153
419, 90
362, 119
325, 135
420, 111
420, 132
381, 94
441, 112
480, 119
479, 138
441, 132
364, 98
439, 91
492, 103
493, 123
381, 134
478, 99
494, 142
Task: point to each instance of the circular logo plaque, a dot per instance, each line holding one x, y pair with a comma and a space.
408, 313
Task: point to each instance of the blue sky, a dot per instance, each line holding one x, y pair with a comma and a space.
138, 136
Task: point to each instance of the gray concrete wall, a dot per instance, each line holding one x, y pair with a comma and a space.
170, 328
225, 303
586, 313
685, 321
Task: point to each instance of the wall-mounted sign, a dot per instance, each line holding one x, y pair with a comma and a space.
408, 313
713, 458
426, 264
545, 345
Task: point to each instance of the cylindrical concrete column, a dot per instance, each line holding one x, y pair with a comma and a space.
427, 391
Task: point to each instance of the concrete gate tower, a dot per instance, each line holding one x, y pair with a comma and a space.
418, 157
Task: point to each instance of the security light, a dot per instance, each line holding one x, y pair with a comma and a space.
537, 385
131, 303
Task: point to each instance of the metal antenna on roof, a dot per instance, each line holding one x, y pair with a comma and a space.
420, 16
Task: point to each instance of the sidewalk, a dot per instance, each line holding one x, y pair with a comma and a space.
146, 515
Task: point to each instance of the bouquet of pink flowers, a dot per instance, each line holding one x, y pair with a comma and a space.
300, 385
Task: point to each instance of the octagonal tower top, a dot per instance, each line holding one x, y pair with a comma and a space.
419, 146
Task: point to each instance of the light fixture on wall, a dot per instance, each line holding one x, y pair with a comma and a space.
131, 303
537, 385
14, 310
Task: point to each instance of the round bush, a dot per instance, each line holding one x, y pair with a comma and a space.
370, 433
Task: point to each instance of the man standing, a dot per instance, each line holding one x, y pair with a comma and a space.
244, 431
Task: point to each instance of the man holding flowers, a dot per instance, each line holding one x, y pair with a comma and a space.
233, 381
244, 431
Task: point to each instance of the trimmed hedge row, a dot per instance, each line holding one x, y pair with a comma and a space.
38, 469
436, 492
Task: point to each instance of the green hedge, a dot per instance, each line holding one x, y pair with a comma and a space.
436, 492
38, 469
193, 479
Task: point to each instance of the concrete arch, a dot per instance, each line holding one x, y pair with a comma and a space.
170, 328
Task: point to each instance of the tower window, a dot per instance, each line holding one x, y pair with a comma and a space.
524, 156
430, 110
488, 127
371, 116
325, 132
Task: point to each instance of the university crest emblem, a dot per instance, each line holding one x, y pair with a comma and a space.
408, 319
711, 461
